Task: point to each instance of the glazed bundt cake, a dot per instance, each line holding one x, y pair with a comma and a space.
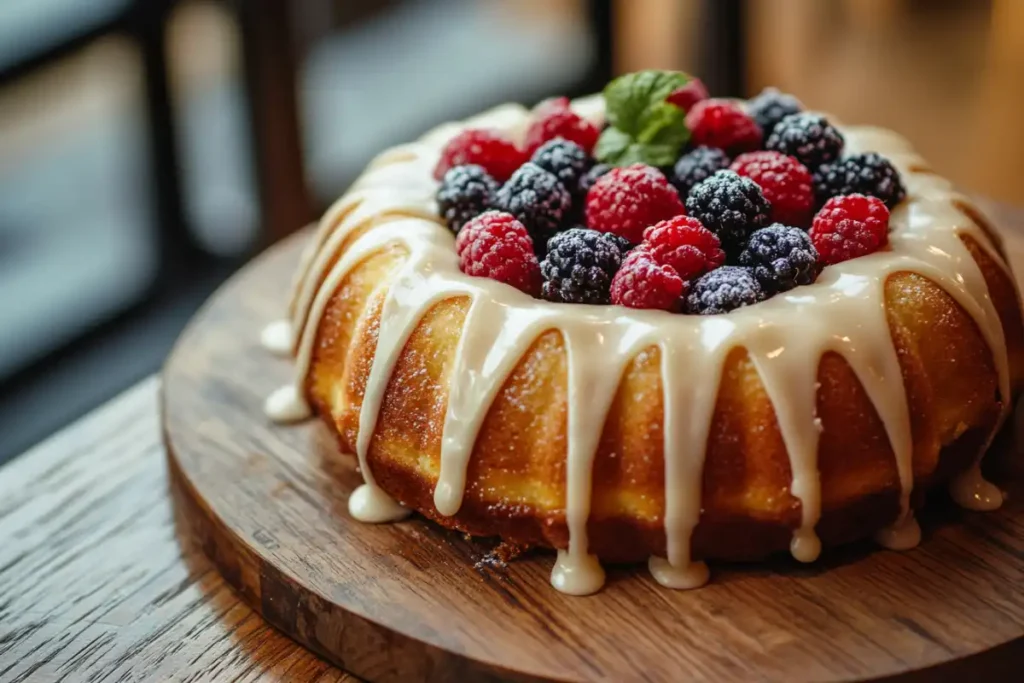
564, 329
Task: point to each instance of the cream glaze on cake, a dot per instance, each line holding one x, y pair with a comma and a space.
844, 311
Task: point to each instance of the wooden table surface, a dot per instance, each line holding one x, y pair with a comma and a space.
101, 581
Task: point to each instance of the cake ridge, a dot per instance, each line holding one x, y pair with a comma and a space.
785, 337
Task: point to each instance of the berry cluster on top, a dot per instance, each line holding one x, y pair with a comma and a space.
682, 202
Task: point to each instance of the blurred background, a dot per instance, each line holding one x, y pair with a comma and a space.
148, 148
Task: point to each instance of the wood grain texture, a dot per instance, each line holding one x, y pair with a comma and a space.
406, 602
99, 581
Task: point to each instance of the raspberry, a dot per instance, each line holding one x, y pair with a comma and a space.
588, 179
785, 182
579, 266
808, 137
697, 165
850, 226
465, 192
722, 124
730, 206
770, 107
642, 282
554, 119
486, 148
566, 160
781, 258
723, 290
689, 95
496, 245
870, 174
536, 198
627, 200
684, 245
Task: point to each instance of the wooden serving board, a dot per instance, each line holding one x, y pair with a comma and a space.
408, 602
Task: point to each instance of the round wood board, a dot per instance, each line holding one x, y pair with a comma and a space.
409, 602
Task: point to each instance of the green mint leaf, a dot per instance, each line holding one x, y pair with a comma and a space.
628, 97
664, 124
612, 146
619, 149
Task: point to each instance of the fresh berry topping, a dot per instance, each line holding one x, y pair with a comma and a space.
870, 174
723, 290
566, 160
770, 107
808, 137
536, 198
684, 245
465, 192
487, 148
697, 165
730, 206
588, 179
781, 258
850, 226
496, 245
579, 267
642, 282
625, 246
688, 95
627, 200
723, 124
555, 119
785, 182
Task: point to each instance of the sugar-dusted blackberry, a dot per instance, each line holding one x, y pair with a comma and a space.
722, 290
465, 193
808, 137
868, 174
579, 266
781, 257
536, 198
697, 165
770, 107
730, 206
588, 179
567, 160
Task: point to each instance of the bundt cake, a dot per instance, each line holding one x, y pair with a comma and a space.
632, 352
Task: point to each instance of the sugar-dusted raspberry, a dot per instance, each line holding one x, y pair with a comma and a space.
870, 174
781, 257
808, 137
684, 245
555, 119
579, 266
689, 95
730, 206
722, 290
486, 148
697, 165
770, 107
537, 199
627, 200
497, 246
642, 282
465, 192
723, 124
785, 182
850, 226
567, 160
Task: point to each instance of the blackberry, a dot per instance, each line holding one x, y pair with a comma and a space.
770, 107
579, 266
465, 193
730, 206
723, 290
536, 198
781, 257
567, 160
624, 245
808, 137
695, 166
588, 179
868, 174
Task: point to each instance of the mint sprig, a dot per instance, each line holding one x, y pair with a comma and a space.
643, 127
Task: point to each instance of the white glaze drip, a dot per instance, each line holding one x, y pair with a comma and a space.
277, 337
970, 490
392, 205
903, 535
